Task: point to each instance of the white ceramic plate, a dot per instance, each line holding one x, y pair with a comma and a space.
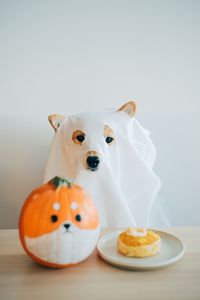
172, 249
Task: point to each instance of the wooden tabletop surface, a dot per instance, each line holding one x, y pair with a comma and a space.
21, 278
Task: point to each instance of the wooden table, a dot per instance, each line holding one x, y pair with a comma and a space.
21, 278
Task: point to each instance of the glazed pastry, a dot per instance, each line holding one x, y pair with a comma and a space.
138, 242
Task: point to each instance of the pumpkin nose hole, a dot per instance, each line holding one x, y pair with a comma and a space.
93, 161
67, 226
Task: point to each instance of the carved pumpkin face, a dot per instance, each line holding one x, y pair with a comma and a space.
59, 224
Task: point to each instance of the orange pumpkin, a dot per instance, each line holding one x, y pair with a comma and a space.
59, 224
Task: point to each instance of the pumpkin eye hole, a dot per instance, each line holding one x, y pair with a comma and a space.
80, 138
54, 218
109, 139
78, 218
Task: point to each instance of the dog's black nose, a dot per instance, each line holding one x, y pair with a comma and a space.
93, 162
67, 226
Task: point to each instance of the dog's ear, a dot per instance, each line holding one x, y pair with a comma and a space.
55, 120
129, 108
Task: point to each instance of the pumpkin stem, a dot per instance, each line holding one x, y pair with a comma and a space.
58, 181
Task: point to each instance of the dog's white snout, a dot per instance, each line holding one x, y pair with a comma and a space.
92, 160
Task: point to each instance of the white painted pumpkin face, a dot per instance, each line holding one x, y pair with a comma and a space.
59, 224
63, 246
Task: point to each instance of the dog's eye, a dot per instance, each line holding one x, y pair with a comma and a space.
78, 218
109, 139
54, 218
80, 138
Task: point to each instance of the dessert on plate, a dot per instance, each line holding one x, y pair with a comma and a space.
138, 242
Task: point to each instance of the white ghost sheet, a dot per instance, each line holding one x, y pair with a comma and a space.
124, 185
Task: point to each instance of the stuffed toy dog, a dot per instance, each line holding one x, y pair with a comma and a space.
110, 155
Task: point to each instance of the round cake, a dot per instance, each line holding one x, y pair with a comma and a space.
138, 242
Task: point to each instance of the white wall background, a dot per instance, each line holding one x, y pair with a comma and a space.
70, 56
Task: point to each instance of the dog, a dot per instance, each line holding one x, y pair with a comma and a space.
92, 159
112, 156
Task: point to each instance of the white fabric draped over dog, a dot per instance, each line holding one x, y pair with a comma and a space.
124, 186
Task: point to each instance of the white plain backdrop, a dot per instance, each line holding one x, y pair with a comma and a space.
70, 56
